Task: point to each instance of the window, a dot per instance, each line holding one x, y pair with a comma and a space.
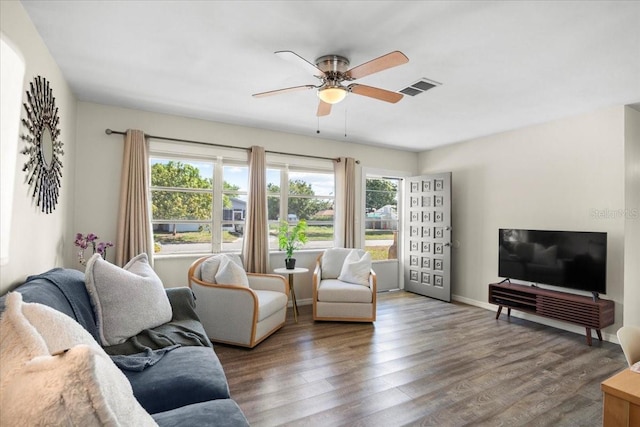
381, 217
198, 204
298, 194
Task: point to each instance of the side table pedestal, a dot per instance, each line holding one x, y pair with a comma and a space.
291, 273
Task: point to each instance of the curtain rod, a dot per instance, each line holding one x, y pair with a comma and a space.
211, 144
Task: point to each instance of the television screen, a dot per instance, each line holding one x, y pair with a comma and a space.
571, 259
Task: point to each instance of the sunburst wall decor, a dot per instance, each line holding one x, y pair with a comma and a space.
43, 145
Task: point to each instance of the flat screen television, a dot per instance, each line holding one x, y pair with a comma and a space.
571, 259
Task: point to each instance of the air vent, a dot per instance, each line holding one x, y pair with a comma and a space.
420, 86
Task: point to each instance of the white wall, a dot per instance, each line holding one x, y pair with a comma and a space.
632, 218
100, 156
38, 240
563, 175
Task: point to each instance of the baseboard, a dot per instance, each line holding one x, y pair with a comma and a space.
300, 302
533, 318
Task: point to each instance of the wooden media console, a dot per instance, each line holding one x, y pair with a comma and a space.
577, 309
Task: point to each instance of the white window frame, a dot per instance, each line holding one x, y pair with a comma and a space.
302, 164
219, 157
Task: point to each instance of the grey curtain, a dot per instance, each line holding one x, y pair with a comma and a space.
255, 250
134, 233
345, 210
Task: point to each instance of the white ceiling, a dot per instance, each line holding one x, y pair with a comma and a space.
502, 65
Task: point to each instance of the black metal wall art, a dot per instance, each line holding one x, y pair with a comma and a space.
43, 145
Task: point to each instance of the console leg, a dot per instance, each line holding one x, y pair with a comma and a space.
499, 311
599, 332
508, 311
589, 342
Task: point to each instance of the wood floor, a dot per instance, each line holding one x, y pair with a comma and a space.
423, 362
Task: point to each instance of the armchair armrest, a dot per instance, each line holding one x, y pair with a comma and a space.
268, 282
317, 275
373, 282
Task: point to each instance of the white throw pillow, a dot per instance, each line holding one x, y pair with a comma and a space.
85, 388
230, 273
126, 300
209, 267
58, 330
332, 262
19, 340
356, 269
80, 387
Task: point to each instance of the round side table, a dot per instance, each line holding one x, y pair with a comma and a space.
291, 273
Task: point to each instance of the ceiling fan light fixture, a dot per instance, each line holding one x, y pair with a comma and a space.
332, 94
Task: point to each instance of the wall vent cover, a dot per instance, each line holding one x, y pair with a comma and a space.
419, 87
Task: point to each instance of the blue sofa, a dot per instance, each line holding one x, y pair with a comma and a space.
173, 370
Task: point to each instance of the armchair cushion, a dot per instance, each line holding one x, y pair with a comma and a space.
334, 290
356, 269
270, 302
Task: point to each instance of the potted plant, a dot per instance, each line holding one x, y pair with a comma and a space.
291, 239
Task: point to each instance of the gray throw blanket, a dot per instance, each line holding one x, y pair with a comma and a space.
71, 284
58, 286
148, 347
140, 361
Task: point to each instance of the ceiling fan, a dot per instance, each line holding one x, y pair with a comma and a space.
333, 71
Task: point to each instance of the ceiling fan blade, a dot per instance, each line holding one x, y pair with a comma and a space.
300, 61
324, 109
389, 60
285, 90
375, 92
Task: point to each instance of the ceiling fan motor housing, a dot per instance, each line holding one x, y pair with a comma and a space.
333, 63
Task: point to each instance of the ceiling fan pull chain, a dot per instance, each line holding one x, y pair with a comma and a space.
345, 122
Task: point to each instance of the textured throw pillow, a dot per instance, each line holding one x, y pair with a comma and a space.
230, 273
126, 300
58, 330
356, 269
19, 341
80, 387
85, 388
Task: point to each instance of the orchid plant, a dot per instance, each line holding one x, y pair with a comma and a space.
83, 242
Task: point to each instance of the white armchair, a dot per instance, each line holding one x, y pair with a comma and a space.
629, 338
242, 313
334, 299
